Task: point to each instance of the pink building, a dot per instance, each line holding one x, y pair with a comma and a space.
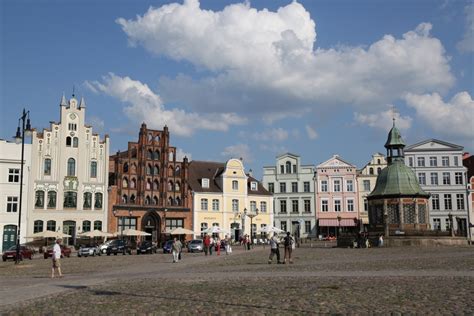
337, 204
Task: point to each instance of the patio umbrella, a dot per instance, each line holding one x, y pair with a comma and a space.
134, 232
49, 234
215, 230
96, 233
271, 229
181, 231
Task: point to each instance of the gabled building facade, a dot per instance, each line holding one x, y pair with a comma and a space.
225, 196
292, 185
336, 196
149, 187
69, 175
440, 172
10, 165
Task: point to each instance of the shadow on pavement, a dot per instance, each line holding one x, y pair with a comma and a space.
72, 287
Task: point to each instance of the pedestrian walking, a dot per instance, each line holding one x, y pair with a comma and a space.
56, 263
244, 242
218, 245
228, 247
176, 249
248, 243
274, 249
381, 240
288, 242
211, 245
207, 243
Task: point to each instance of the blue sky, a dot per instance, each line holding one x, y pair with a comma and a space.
252, 79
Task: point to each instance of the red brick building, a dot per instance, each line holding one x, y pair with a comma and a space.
148, 188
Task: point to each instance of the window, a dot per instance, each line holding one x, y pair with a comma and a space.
87, 200
203, 204
456, 161
98, 200
437, 223
294, 206
235, 185
148, 184
126, 222
434, 178
460, 201
294, 187
133, 183
421, 161
282, 206
458, 178
294, 168
366, 184
125, 168
39, 199
306, 187
253, 206
379, 170
282, 187
71, 167
97, 225
283, 226
337, 185
51, 226
350, 205
203, 227
215, 205
72, 127
70, 199
350, 185
446, 178
433, 161
307, 206
75, 142
13, 175
68, 141
51, 199
155, 200
422, 178
410, 161
337, 205
149, 169
235, 206
155, 184
435, 201
94, 169
324, 206
448, 204
263, 207
288, 167
37, 226
282, 169
149, 154
271, 187
307, 227
47, 166
445, 161
448, 224
172, 223
156, 170
12, 204
86, 226
324, 186
253, 186
371, 170
366, 205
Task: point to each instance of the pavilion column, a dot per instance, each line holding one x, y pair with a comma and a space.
385, 218
402, 217
416, 214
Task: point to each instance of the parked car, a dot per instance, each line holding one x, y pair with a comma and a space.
88, 250
103, 247
25, 252
147, 247
118, 246
65, 252
196, 245
167, 246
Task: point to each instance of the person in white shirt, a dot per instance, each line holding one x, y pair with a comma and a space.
56, 257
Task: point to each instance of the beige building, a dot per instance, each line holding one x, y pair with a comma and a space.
225, 196
366, 179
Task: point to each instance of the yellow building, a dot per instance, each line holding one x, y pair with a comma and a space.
225, 196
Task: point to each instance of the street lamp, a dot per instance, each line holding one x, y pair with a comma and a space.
164, 222
20, 138
450, 216
338, 226
251, 214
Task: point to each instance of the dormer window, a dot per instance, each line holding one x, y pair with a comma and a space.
235, 185
205, 183
253, 186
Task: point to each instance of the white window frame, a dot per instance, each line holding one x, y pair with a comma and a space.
350, 205
324, 206
205, 183
337, 205
204, 204
215, 204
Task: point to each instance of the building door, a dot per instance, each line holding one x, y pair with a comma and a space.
462, 226
69, 227
151, 225
9, 237
235, 231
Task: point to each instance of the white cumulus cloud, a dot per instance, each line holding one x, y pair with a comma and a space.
238, 151
451, 118
383, 120
180, 154
311, 132
467, 43
147, 106
272, 134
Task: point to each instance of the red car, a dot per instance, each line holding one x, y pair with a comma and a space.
25, 252
65, 252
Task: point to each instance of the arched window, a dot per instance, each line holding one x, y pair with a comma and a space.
98, 200
38, 226
149, 154
71, 167
148, 184
150, 137
87, 200
157, 155
132, 198
125, 182
157, 170
178, 201
134, 153
235, 185
170, 171
97, 225
371, 170
379, 170
93, 169
288, 167
177, 186
51, 199
147, 200
155, 184
155, 200
149, 169
39, 199
86, 226
170, 186
75, 142
133, 183
170, 201
134, 168
125, 167
70, 199
68, 141
124, 199
51, 226
47, 166
177, 171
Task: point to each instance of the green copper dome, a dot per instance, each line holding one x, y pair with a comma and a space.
394, 138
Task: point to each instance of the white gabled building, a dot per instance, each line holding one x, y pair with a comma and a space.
10, 165
440, 171
292, 185
69, 175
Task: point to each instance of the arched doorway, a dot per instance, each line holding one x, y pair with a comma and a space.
151, 224
9, 237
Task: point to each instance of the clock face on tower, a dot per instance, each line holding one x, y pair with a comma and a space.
72, 116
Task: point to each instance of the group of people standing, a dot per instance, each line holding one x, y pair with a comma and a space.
288, 243
211, 243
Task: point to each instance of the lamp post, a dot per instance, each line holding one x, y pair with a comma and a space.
20, 137
164, 226
338, 226
251, 214
451, 228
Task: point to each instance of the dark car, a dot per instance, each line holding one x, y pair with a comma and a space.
118, 246
65, 252
25, 252
196, 245
147, 247
167, 247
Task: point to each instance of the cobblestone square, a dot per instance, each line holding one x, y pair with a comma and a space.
322, 280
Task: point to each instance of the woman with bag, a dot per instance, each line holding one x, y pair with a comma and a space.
289, 244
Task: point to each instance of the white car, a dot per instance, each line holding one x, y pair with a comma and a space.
86, 251
103, 247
